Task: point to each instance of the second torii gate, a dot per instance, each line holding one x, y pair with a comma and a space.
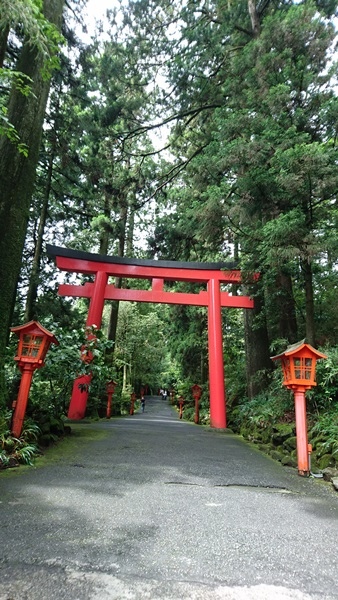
102, 267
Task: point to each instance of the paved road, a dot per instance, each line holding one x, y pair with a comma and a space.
163, 509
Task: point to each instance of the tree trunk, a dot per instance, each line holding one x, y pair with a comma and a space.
130, 233
255, 22
32, 292
114, 311
286, 308
309, 302
258, 360
104, 235
124, 380
3, 44
17, 174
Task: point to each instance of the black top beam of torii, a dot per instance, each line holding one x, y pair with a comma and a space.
118, 260
103, 267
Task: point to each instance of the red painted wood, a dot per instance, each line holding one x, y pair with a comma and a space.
22, 399
78, 403
158, 297
216, 366
97, 299
75, 265
301, 432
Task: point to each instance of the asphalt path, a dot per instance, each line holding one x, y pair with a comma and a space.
163, 509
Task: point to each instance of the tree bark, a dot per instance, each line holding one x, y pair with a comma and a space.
17, 174
309, 302
32, 292
255, 22
286, 308
257, 353
114, 311
3, 44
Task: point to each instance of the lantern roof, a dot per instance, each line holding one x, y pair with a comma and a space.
296, 348
34, 328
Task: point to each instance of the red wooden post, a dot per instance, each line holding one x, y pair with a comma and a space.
110, 388
78, 403
132, 402
216, 366
197, 393
22, 399
181, 403
97, 300
301, 433
109, 398
80, 392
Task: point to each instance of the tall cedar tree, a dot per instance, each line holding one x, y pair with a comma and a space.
17, 171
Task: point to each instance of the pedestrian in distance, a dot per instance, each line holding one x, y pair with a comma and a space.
143, 403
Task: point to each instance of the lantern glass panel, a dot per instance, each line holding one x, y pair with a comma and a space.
303, 368
297, 367
308, 368
31, 345
286, 369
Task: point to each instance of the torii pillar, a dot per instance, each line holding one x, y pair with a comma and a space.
216, 364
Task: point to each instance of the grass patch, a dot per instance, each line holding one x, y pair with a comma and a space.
65, 448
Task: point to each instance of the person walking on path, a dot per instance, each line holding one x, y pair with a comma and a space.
143, 403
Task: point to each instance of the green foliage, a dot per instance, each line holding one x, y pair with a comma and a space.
324, 397
27, 16
18, 450
252, 173
52, 385
270, 407
141, 345
325, 432
7, 129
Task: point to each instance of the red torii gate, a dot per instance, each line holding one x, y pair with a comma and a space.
103, 267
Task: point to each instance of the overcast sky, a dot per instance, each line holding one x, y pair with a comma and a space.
96, 11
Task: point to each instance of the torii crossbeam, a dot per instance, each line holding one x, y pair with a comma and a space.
212, 274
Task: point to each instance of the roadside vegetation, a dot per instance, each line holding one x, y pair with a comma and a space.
181, 131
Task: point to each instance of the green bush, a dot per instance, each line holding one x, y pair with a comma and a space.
324, 397
18, 450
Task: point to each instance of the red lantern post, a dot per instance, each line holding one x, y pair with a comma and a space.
299, 370
34, 341
180, 404
132, 402
196, 393
110, 389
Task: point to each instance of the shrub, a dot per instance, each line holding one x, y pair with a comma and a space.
18, 450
